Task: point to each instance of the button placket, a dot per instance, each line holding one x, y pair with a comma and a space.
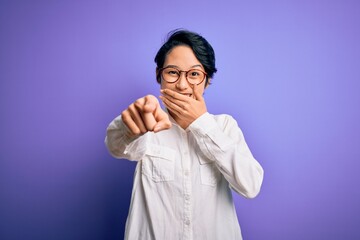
187, 187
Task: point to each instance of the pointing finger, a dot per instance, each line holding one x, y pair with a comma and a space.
150, 106
151, 103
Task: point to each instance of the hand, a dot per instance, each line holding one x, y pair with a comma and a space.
144, 115
185, 109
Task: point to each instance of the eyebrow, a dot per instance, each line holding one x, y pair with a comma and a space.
177, 67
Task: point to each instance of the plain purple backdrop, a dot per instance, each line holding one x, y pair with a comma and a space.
288, 71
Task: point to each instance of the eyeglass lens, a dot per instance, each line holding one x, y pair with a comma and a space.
194, 76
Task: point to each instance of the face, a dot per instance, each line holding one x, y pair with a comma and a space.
184, 59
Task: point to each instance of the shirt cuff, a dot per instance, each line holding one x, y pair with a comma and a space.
125, 131
203, 124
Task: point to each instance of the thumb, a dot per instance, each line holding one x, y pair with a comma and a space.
162, 125
163, 121
197, 92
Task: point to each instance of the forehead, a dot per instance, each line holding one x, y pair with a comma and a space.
181, 56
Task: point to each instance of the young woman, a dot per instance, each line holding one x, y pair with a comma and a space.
188, 160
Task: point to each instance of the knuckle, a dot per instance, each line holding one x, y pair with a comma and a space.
150, 97
131, 107
138, 103
125, 114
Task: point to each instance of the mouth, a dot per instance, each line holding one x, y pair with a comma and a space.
187, 94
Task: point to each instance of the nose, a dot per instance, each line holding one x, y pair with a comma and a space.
182, 83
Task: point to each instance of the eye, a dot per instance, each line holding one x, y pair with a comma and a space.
195, 73
172, 72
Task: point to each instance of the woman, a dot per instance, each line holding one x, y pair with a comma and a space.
188, 160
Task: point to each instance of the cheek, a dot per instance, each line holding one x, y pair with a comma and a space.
202, 92
202, 88
165, 85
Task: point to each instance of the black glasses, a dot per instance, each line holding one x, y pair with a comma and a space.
193, 76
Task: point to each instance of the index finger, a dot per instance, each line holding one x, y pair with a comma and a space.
174, 95
150, 105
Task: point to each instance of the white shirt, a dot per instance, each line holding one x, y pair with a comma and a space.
183, 177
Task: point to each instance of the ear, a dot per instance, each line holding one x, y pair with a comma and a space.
208, 82
158, 78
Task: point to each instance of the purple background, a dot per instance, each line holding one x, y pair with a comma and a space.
289, 72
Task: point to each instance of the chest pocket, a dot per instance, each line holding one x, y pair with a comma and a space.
209, 174
159, 163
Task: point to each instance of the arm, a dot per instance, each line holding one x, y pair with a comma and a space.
124, 133
222, 142
119, 140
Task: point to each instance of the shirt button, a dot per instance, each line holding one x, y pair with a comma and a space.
187, 222
187, 196
186, 172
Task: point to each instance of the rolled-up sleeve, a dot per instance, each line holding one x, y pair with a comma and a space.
121, 144
222, 141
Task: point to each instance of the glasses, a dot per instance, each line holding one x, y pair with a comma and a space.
193, 76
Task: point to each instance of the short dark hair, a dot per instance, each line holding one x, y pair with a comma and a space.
199, 45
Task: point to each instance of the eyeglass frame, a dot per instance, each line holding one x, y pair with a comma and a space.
180, 71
